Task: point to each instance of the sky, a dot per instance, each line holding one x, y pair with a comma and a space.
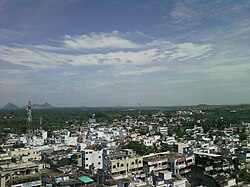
109, 53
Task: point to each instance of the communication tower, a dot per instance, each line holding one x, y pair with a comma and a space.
139, 108
29, 114
41, 122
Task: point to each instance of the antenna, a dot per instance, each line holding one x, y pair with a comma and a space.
139, 109
29, 114
41, 122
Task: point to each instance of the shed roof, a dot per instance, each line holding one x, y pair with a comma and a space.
85, 179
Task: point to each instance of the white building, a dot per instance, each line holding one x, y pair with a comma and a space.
69, 140
92, 158
163, 130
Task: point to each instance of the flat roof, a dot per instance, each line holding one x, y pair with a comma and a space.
85, 179
207, 154
18, 166
71, 181
30, 176
168, 156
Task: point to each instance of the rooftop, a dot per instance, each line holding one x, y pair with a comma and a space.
168, 156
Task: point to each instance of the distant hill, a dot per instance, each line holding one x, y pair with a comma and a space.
220, 107
206, 107
10, 106
45, 105
40, 106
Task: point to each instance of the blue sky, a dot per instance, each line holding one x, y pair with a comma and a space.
107, 53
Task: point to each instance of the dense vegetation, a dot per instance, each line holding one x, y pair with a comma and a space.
15, 121
214, 117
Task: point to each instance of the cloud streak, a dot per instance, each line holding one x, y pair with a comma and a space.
152, 69
136, 54
97, 41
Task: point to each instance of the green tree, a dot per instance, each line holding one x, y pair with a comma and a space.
140, 148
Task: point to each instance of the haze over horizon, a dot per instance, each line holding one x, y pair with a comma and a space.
108, 53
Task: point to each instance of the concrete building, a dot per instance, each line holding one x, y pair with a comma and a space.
92, 159
20, 175
76, 159
25, 154
212, 161
174, 162
122, 164
181, 148
204, 176
163, 130
5, 159
165, 179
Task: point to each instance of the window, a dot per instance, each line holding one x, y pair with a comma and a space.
139, 162
87, 165
90, 152
122, 165
132, 163
87, 158
86, 153
100, 156
114, 166
99, 163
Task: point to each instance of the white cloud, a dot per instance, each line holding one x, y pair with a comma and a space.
187, 51
97, 41
152, 69
47, 57
182, 13
66, 73
32, 58
148, 58
7, 33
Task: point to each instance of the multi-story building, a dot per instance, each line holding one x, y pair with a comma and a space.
165, 179
92, 159
163, 130
202, 175
5, 159
213, 162
25, 154
175, 162
20, 175
243, 155
122, 164
77, 159
181, 148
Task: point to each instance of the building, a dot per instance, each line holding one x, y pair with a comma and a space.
163, 130
181, 148
21, 174
25, 154
165, 178
123, 164
76, 159
213, 162
5, 159
92, 159
175, 162
204, 176
53, 178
